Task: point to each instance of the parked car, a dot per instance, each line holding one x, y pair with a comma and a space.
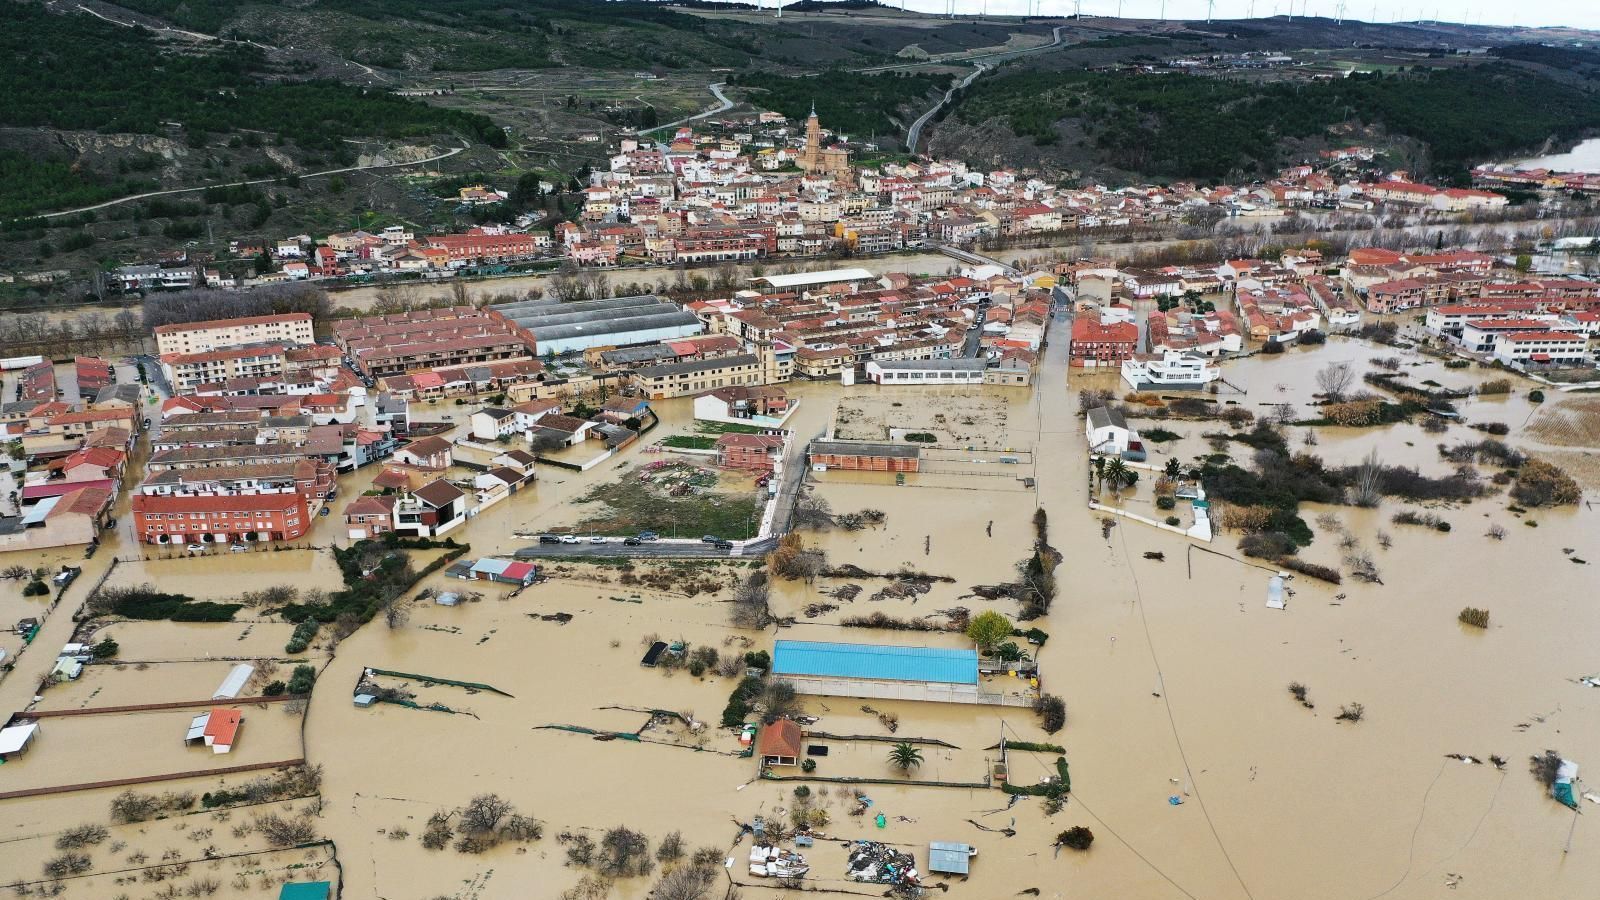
596, 539
197, 548
569, 539
648, 536
631, 542
237, 548
710, 539
549, 539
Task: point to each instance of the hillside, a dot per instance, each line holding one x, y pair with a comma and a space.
1178, 126
858, 105
481, 35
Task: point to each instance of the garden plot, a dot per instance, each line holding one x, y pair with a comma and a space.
675, 499
954, 417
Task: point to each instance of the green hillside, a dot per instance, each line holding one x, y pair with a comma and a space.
1182, 126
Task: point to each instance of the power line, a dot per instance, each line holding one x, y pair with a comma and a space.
1172, 721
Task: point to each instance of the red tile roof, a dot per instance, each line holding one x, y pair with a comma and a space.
781, 738
223, 725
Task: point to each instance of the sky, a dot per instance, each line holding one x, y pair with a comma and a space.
1575, 13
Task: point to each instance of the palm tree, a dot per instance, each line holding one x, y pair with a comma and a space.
905, 757
1100, 470
1117, 473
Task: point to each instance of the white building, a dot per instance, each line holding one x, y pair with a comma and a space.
1108, 432
1171, 370
1521, 348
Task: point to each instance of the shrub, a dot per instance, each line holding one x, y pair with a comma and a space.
1457, 364
808, 765
921, 437
1159, 435
1298, 690
1174, 520
304, 631
302, 679
1052, 712
1536, 396
81, 836
274, 689
1427, 520
1266, 545
1472, 615
106, 649
1541, 484
1077, 837
1165, 503
758, 659
1498, 429
35, 588
1351, 712
1495, 386
67, 864
1309, 569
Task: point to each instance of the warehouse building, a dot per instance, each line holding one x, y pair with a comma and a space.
613, 322
865, 456
879, 671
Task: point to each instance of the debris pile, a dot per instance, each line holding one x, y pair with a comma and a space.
767, 861
881, 864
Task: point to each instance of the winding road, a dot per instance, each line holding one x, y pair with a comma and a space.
980, 66
189, 190
724, 104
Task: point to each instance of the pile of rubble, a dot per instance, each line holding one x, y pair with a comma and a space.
882, 864
767, 861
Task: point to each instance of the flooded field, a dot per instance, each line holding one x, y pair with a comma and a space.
1174, 672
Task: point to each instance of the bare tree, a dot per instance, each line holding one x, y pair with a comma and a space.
1335, 379
1367, 489
624, 853
686, 883
812, 511
484, 813
751, 602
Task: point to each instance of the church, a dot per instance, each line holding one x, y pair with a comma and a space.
816, 159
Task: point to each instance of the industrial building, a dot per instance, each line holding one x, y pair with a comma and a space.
879, 671
865, 456
614, 322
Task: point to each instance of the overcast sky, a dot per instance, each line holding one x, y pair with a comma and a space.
1578, 13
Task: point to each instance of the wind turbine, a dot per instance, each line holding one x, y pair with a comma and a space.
1338, 16
1210, 6
1163, 10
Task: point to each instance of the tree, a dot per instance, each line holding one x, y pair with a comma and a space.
1119, 475
691, 882
905, 757
624, 853
987, 629
484, 813
1335, 379
750, 602
1173, 468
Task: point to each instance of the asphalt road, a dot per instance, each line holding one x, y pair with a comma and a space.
649, 550
980, 65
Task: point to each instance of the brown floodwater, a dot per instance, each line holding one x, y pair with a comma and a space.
1174, 673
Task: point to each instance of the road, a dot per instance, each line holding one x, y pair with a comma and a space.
724, 104
980, 65
615, 548
190, 190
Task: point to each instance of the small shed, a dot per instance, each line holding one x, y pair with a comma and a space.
68, 667
197, 729
306, 890
222, 727
235, 682
653, 654
504, 571
447, 598
365, 700
950, 859
779, 744
14, 740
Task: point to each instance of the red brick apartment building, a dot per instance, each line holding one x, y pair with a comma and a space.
1096, 345
755, 452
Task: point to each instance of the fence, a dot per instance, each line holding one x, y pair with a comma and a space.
147, 707
149, 779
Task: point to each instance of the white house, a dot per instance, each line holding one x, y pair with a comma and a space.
492, 423
1108, 432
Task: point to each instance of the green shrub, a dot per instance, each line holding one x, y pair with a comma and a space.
1165, 503
301, 681
304, 631
35, 588
739, 701
105, 649
274, 689
808, 765
1472, 615
1536, 396
921, 437
758, 659
1174, 520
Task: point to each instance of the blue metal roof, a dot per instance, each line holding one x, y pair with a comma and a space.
876, 661
955, 859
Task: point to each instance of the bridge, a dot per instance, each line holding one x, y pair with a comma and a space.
974, 259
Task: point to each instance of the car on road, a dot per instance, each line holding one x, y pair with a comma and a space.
197, 548
648, 536
569, 539
631, 542
596, 539
722, 544
549, 539
710, 539
237, 548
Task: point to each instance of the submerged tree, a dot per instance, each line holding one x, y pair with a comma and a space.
905, 757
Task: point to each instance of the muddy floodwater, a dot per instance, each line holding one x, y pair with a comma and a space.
1174, 672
